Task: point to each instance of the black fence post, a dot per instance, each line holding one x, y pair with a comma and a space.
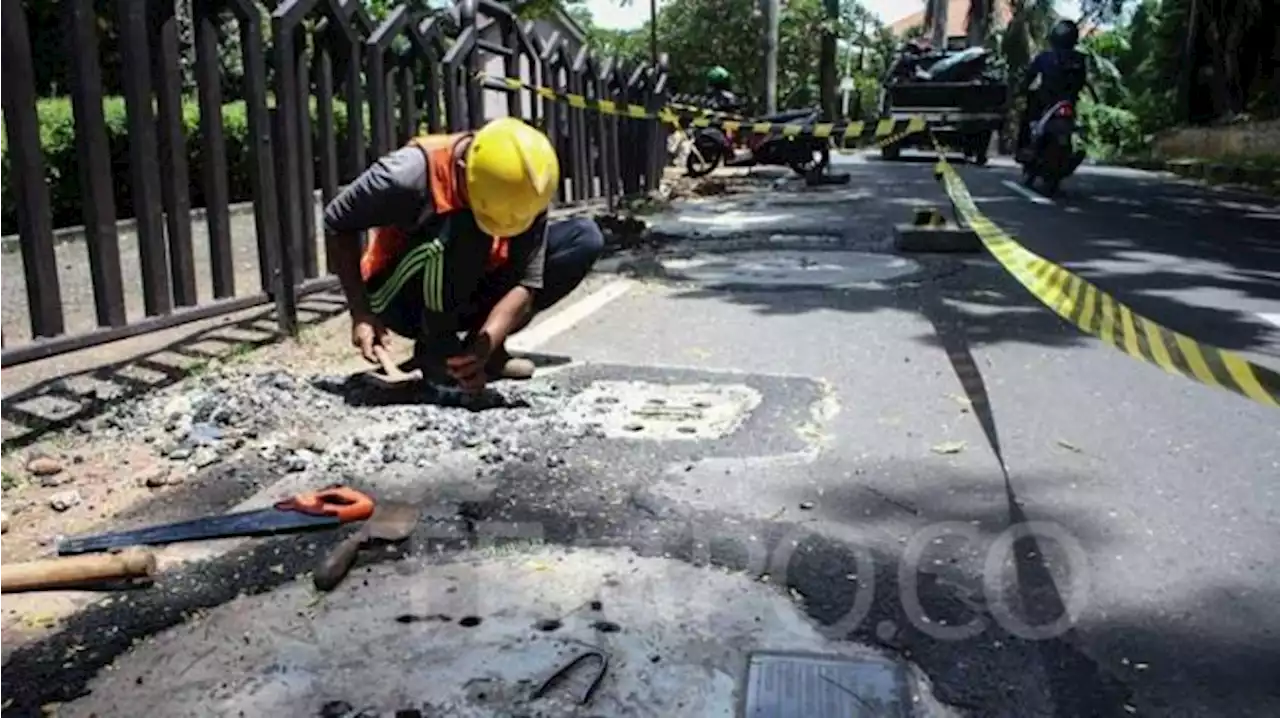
93, 159
214, 165
144, 162
35, 221
428, 36
284, 20
174, 189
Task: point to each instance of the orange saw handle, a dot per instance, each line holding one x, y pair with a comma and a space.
342, 502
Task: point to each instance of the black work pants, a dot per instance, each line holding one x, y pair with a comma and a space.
573, 246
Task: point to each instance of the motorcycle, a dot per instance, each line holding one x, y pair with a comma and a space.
803, 154
1052, 156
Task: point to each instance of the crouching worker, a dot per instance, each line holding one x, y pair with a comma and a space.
459, 243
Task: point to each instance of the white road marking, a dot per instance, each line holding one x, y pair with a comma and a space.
1038, 199
563, 320
1273, 318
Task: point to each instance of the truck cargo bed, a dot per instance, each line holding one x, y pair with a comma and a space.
950, 97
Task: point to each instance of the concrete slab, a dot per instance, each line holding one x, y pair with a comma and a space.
790, 269
650, 411
472, 638
817, 209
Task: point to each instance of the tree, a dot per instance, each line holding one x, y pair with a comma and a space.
977, 22
699, 34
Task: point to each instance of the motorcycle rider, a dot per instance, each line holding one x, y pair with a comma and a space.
719, 91
1062, 72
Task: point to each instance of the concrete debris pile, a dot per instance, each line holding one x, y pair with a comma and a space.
334, 424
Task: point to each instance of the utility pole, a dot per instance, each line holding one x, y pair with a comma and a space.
653, 31
771, 12
827, 60
939, 29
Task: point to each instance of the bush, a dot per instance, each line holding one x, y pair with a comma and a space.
57, 139
1110, 131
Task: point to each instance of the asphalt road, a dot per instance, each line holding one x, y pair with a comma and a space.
1201, 260
1166, 489
1125, 564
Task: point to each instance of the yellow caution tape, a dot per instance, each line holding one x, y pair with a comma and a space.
704, 112
1095, 312
881, 133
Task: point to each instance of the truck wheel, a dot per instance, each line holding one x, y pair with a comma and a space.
890, 152
980, 159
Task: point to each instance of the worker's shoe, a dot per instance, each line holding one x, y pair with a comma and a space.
504, 366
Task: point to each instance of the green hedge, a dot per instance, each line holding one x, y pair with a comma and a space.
57, 139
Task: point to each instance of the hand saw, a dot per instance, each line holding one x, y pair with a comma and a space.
319, 509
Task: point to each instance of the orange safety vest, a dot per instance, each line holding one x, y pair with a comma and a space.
386, 244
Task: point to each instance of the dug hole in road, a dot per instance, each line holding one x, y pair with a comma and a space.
756, 474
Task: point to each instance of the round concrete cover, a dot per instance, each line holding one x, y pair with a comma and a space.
774, 268
468, 639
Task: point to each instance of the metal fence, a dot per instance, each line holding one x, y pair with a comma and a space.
405, 75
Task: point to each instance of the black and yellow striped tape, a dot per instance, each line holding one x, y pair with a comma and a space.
1095, 312
843, 133
704, 112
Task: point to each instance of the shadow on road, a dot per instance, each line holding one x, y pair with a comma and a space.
1064, 667
1174, 254
990, 305
1162, 248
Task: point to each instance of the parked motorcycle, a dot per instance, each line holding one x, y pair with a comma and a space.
1052, 156
803, 154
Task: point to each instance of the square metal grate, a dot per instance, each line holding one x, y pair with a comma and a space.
790, 685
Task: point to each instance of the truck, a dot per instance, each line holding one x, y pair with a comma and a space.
963, 99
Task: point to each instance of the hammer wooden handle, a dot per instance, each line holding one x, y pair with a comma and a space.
56, 573
390, 369
337, 564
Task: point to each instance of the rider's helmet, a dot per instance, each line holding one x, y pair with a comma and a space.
1064, 35
512, 173
718, 78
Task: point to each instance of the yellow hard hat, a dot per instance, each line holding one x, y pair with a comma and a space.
512, 174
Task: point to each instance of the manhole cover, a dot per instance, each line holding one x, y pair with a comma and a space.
781, 685
791, 269
643, 410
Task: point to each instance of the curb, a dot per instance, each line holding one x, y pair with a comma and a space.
1265, 179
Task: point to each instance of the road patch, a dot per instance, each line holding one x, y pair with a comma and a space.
471, 638
781, 269
658, 412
